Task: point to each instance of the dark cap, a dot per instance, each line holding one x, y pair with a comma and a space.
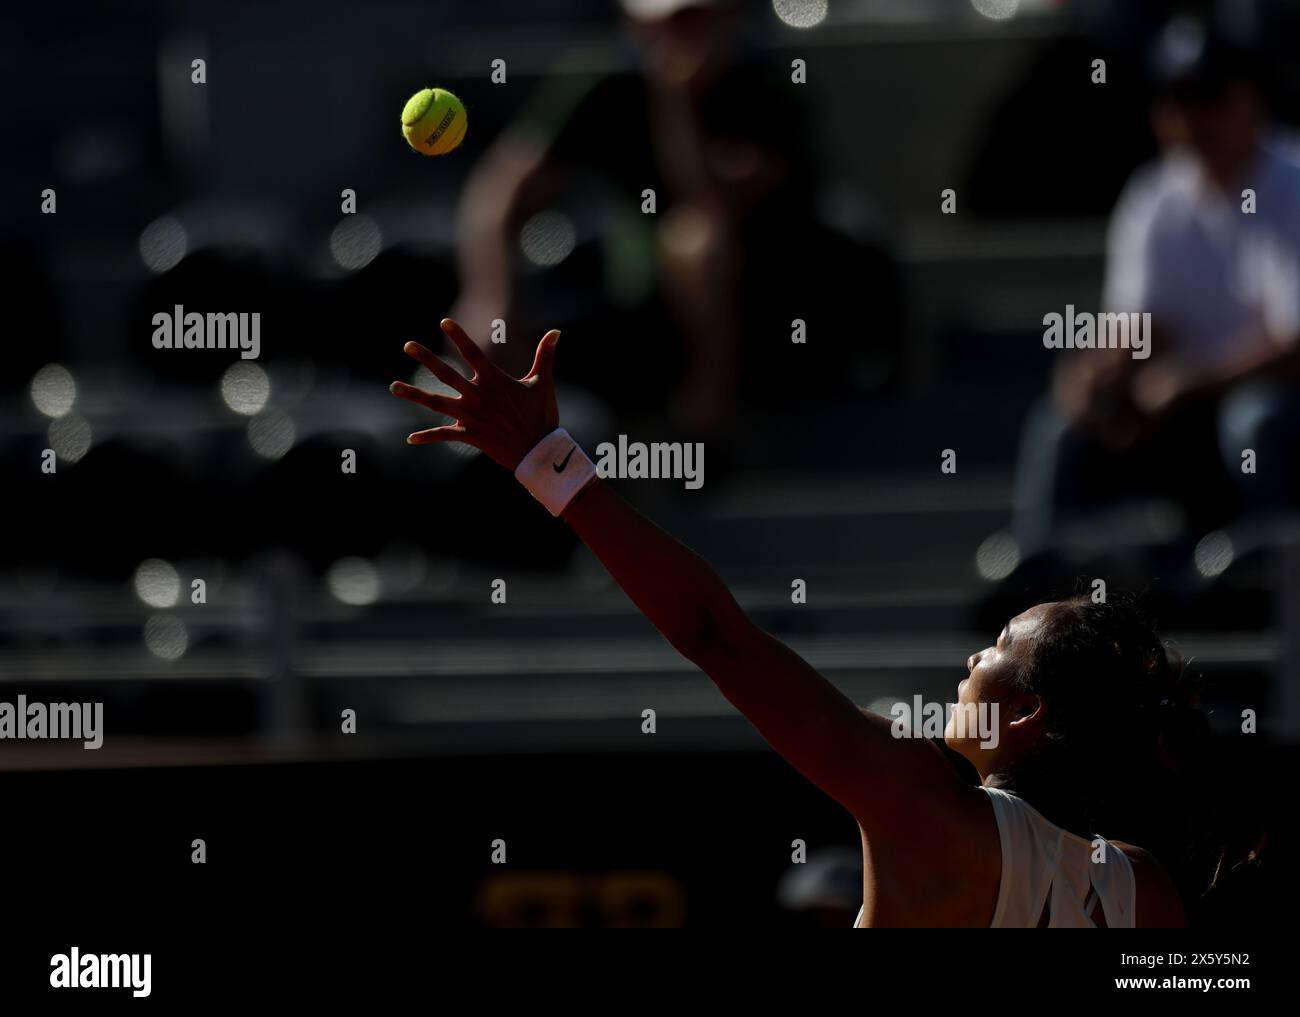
1190, 62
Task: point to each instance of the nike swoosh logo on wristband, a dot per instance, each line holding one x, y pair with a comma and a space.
559, 467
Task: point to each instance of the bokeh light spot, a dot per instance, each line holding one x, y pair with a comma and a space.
54, 390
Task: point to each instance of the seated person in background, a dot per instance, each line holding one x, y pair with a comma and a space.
1222, 286
732, 255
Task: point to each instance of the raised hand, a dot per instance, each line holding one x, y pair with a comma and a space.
497, 414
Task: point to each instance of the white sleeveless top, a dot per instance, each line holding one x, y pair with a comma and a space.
1048, 869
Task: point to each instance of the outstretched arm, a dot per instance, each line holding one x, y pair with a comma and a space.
815, 727
850, 755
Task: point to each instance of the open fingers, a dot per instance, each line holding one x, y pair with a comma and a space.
438, 403
439, 368
468, 349
544, 358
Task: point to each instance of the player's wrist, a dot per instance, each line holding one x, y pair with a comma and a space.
555, 470
580, 497
525, 444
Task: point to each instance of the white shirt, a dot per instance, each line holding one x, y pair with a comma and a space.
1219, 280
1054, 878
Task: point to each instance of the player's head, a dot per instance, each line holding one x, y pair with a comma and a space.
1069, 678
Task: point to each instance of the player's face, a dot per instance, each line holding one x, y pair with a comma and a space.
990, 680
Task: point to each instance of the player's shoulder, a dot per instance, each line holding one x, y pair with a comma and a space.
1159, 904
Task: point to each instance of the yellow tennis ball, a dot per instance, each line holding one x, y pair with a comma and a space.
433, 121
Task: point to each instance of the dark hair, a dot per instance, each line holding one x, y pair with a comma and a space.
1129, 756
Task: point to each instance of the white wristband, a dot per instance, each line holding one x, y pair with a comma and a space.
555, 471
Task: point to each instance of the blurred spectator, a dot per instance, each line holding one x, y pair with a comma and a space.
1222, 284
709, 286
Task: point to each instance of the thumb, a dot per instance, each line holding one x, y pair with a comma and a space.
544, 361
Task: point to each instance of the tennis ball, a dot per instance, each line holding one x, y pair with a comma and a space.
433, 121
